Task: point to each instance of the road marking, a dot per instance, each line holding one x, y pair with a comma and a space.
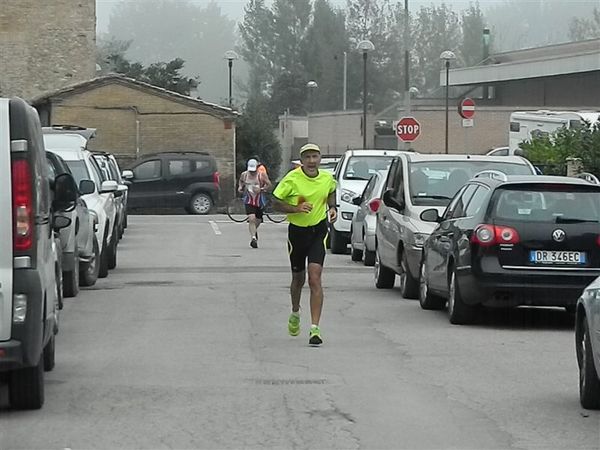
215, 227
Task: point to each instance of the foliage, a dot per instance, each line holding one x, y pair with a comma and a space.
255, 136
575, 142
161, 30
471, 47
582, 28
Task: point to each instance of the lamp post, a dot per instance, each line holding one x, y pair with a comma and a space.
311, 85
447, 56
230, 56
365, 47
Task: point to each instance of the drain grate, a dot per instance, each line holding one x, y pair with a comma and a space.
293, 381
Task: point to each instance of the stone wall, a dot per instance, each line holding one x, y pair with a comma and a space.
45, 45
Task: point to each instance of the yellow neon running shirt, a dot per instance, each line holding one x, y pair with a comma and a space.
296, 187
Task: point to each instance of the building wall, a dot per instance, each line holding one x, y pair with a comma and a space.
292, 134
45, 45
575, 91
337, 131
132, 123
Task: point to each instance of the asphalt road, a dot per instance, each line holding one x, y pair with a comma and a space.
185, 345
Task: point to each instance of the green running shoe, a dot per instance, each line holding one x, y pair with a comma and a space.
315, 337
294, 324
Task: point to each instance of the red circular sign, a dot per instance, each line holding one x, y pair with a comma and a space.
408, 129
466, 109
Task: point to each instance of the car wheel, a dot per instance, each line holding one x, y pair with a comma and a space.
427, 300
103, 271
459, 312
369, 258
26, 387
49, 354
384, 277
89, 271
409, 286
355, 254
339, 245
71, 278
589, 384
200, 203
112, 254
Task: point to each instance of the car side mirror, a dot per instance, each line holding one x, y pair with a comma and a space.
108, 186
65, 191
127, 174
59, 222
357, 201
87, 187
390, 201
430, 215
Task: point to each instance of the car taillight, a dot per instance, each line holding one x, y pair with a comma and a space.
216, 179
487, 235
374, 205
22, 197
598, 240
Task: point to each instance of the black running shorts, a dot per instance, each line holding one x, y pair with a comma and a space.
306, 243
256, 210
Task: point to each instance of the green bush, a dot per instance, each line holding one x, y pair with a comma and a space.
552, 151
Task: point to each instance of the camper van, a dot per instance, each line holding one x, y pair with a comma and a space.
525, 125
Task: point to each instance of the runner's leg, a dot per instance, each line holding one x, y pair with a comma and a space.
252, 224
298, 279
316, 291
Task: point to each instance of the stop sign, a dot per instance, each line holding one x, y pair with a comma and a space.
466, 109
408, 129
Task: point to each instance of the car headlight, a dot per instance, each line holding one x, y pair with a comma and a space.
348, 195
591, 294
420, 238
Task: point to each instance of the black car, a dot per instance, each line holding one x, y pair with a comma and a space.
512, 240
187, 180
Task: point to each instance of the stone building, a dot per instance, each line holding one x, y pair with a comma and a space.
134, 119
45, 45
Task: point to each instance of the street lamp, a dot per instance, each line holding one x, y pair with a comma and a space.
230, 56
447, 56
365, 47
311, 85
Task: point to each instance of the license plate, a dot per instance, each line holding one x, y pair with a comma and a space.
556, 257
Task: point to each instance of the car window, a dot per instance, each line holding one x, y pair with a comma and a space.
363, 167
100, 174
551, 204
181, 166
434, 183
457, 208
500, 152
476, 202
51, 170
79, 170
369, 188
148, 170
392, 174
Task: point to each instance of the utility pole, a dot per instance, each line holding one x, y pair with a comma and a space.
407, 145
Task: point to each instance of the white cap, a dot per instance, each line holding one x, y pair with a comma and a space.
252, 165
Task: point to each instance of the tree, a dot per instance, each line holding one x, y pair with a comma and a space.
163, 30
436, 29
471, 48
111, 58
581, 28
255, 136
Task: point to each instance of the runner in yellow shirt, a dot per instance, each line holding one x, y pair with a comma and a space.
307, 195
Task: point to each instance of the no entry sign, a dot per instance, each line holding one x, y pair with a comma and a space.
408, 129
466, 108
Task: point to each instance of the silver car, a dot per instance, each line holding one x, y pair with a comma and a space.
587, 345
364, 222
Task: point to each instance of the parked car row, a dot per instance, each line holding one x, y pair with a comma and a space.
464, 232
61, 232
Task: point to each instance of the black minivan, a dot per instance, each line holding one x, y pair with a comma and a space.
29, 263
184, 179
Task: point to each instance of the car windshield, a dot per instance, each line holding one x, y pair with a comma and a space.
551, 204
79, 171
363, 167
434, 183
64, 141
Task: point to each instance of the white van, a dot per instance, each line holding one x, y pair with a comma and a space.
525, 125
